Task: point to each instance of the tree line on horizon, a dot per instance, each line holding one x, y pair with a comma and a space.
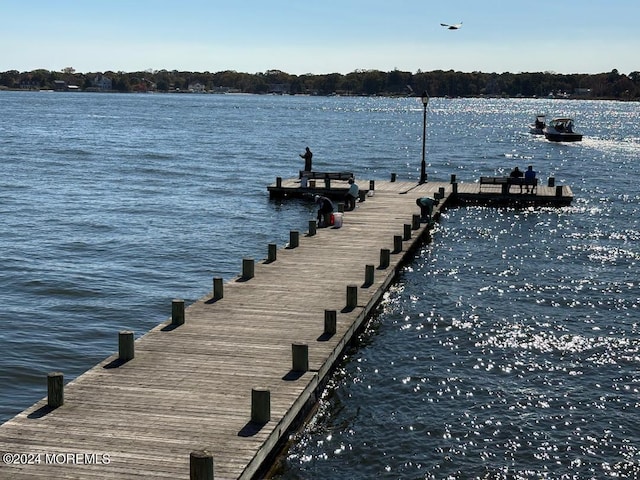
438, 83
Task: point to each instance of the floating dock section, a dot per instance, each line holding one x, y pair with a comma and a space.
215, 390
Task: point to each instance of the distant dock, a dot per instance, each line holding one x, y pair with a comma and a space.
214, 391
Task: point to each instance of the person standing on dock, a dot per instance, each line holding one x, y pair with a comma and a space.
530, 177
325, 209
352, 195
307, 155
426, 205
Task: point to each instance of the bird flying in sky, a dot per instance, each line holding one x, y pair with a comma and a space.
452, 27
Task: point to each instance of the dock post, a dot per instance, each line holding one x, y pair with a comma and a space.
55, 389
559, 191
369, 274
352, 296
177, 311
200, 465
330, 322
393, 177
294, 239
218, 291
551, 182
279, 182
407, 231
385, 257
272, 253
397, 243
300, 357
313, 226
454, 188
327, 183
260, 405
415, 221
441, 191
248, 268
372, 184
453, 178
126, 345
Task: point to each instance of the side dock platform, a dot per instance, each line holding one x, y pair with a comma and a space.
214, 391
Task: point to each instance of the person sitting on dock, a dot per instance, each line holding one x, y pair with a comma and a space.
530, 177
516, 173
325, 209
426, 205
307, 155
352, 195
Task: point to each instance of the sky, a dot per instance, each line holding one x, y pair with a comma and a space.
321, 36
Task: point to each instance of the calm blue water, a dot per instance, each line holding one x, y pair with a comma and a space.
507, 349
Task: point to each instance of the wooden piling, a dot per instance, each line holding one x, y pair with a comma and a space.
272, 252
294, 239
200, 465
415, 221
55, 389
352, 296
218, 288
330, 322
407, 232
300, 357
248, 268
369, 274
126, 345
385, 257
177, 311
260, 405
397, 243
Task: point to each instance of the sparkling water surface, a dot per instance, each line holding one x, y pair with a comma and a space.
507, 349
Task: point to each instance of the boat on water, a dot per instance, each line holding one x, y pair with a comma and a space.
561, 130
537, 127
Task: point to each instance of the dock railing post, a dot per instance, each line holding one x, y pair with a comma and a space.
126, 345
200, 465
248, 268
352, 296
294, 239
330, 322
55, 389
177, 311
272, 252
369, 274
218, 288
415, 221
385, 257
407, 231
313, 226
559, 191
300, 357
260, 405
279, 182
397, 243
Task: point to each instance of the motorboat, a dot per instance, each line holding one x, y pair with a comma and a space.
561, 130
537, 127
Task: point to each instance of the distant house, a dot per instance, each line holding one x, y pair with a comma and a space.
102, 83
196, 87
60, 85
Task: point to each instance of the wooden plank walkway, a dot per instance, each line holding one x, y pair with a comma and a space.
189, 388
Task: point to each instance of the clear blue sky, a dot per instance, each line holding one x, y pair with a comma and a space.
321, 36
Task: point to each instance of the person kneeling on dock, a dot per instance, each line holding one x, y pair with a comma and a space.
426, 205
325, 209
352, 195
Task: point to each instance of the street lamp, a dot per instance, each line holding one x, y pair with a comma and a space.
423, 166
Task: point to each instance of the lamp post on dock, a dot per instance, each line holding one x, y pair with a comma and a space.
423, 166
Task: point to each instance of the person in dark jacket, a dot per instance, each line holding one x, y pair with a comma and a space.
325, 209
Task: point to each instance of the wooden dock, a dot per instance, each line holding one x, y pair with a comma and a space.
224, 380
